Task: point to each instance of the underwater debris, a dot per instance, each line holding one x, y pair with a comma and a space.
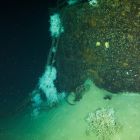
76, 96
107, 97
71, 99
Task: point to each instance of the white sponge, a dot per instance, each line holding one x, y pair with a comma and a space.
55, 25
46, 84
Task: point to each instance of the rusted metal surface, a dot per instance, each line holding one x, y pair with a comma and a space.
101, 43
